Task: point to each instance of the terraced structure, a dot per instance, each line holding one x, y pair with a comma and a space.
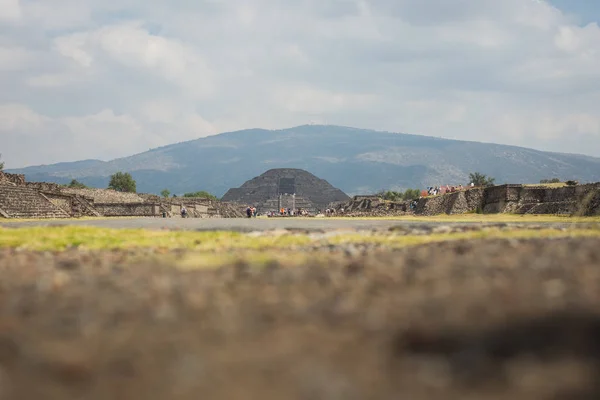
286, 188
21, 199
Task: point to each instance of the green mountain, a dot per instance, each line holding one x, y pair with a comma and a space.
354, 160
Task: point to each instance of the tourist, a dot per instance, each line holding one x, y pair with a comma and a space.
183, 212
249, 212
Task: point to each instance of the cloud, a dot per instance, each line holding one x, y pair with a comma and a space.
84, 137
10, 10
91, 79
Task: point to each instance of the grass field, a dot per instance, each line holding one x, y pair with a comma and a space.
93, 238
470, 217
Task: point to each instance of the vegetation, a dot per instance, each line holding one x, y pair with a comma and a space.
75, 184
479, 179
220, 242
201, 193
122, 182
553, 180
409, 194
165, 193
1, 163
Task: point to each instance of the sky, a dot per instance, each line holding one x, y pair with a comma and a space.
91, 79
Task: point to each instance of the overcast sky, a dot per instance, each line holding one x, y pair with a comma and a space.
104, 79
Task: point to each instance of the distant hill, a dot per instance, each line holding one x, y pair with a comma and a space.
354, 160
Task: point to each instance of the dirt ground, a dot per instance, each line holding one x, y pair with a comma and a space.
480, 319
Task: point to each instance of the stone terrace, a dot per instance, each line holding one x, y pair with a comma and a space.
22, 202
102, 195
583, 200
21, 199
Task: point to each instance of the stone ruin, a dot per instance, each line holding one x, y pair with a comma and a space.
574, 200
286, 188
22, 199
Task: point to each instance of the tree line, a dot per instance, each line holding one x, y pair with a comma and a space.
391, 195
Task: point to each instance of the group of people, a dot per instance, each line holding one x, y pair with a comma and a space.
251, 212
283, 212
288, 212
331, 211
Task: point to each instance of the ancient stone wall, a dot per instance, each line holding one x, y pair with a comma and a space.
128, 209
93, 194
76, 202
45, 186
557, 208
16, 179
510, 199
453, 203
590, 200
197, 207
62, 201
567, 200
75, 205
105, 195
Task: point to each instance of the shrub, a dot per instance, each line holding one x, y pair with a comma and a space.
201, 193
481, 180
553, 180
75, 184
122, 182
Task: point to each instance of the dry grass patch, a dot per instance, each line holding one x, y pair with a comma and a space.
220, 243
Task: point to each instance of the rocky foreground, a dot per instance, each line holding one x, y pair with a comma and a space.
487, 319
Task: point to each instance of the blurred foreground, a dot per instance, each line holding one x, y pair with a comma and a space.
468, 319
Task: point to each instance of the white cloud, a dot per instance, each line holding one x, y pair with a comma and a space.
88, 136
14, 58
306, 100
91, 79
10, 10
130, 45
72, 47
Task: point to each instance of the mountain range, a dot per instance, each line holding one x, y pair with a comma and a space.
358, 161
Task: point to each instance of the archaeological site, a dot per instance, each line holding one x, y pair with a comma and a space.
22, 199
286, 188
575, 200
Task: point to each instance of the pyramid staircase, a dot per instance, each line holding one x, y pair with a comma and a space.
22, 202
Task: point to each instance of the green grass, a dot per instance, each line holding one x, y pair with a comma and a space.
63, 237
221, 242
467, 217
